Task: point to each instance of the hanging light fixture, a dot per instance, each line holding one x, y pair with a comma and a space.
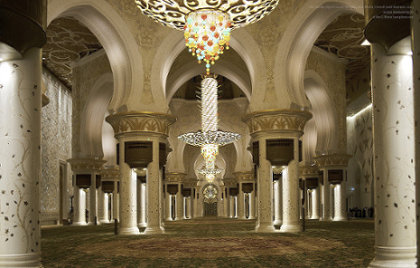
207, 25
210, 138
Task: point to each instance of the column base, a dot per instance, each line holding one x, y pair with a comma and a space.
104, 221
394, 257
265, 228
143, 225
129, 231
277, 222
340, 219
154, 230
291, 228
81, 223
325, 219
314, 218
20, 260
179, 219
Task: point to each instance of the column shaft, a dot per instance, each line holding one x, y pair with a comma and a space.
393, 128
79, 206
315, 204
241, 202
276, 203
325, 198
115, 201
143, 206
93, 201
179, 204
290, 221
20, 128
154, 191
252, 204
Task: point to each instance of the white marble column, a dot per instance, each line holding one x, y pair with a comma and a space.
188, 213
179, 204
115, 202
20, 159
265, 193
276, 204
79, 203
225, 205
325, 197
154, 191
340, 202
93, 201
241, 202
415, 36
252, 204
394, 149
106, 208
315, 204
290, 221
168, 209
308, 204
101, 207
231, 206
128, 207
143, 205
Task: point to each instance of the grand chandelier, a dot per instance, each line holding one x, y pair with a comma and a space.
209, 139
207, 24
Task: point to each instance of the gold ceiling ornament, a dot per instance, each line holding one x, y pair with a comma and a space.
207, 24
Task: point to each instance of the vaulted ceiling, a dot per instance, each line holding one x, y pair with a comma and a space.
67, 42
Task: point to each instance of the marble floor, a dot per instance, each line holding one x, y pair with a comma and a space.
211, 242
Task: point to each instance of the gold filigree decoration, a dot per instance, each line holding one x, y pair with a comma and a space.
140, 122
110, 174
86, 164
244, 176
171, 177
332, 160
172, 13
277, 120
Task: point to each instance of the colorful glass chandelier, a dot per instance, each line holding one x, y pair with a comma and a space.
207, 25
210, 138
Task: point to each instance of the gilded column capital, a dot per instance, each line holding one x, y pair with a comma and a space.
277, 121
110, 173
140, 122
308, 170
230, 182
86, 164
244, 176
174, 177
333, 160
278, 169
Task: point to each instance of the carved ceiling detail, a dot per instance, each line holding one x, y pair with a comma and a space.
67, 41
343, 37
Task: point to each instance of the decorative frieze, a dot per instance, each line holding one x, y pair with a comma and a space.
308, 171
137, 122
110, 174
277, 120
86, 164
174, 177
244, 176
332, 160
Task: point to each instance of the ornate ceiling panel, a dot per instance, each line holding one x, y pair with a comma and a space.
67, 41
343, 37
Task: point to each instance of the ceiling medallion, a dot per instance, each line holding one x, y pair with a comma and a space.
207, 24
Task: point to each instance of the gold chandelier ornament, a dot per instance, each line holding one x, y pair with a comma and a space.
207, 24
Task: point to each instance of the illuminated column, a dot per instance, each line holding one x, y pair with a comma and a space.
252, 204
276, 192
79, 207
241, 202
415, 36
340, 201
101, 207
394, 154
168, 206
143, 205
111, 211
290, 221
139, 208
315, 202
179, 204
106, 208
128, 195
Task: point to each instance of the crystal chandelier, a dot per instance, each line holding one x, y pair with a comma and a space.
207, 24
209, 139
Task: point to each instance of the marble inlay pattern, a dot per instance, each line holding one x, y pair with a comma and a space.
360, 146
56, 141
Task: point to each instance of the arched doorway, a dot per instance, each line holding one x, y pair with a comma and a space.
210, 200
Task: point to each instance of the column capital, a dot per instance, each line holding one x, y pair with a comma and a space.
190, 182
333, 160
282, 121
230, 182
308, 170
110, 173
174, 177
244, 176
86, 164
140, 123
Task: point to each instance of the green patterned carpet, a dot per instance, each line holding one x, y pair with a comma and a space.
211, 243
